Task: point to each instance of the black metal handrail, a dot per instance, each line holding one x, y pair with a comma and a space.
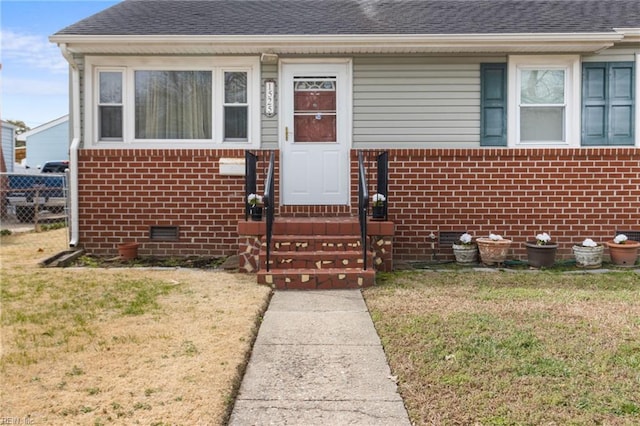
363, 206
250, 161
269, 204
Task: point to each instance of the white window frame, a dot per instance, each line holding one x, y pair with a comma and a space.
570, 64
98, 104
128, 66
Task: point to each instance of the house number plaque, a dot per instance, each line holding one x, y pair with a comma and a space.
269, 98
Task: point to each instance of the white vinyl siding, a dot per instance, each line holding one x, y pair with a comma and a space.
417, 102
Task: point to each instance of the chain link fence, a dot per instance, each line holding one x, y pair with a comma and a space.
34, 202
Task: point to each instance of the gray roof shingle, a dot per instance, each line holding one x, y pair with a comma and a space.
324, 17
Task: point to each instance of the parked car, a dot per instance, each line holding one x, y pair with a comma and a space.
44, 191
55, 167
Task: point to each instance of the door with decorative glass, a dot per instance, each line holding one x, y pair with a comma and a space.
315, 139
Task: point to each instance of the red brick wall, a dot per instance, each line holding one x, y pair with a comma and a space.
570, 193
125, 192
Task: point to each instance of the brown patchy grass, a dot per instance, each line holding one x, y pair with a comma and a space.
512, 348
121, 346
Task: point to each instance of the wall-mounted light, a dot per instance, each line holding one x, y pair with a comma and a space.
269, 58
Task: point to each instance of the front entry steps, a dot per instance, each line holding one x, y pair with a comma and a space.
316, 253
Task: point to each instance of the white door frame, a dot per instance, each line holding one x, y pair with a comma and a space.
342, 68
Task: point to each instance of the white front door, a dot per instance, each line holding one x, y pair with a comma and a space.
315, 136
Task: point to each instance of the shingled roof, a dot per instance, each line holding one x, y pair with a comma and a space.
358, 17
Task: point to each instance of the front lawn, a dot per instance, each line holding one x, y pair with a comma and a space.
101, 346
512, 348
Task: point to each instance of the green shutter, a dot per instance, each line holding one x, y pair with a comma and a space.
493, 104
607, 103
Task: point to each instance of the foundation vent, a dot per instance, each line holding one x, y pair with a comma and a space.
632, 235
447, 239
163, 233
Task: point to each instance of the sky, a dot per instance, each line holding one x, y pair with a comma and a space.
34, 79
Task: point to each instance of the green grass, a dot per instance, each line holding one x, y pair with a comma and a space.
63, 312
513, 348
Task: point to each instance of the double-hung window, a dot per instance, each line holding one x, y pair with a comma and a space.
199, 102
544, 98
110, 109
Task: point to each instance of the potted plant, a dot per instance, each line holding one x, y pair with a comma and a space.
623, 251
378, 206
466, 250
541, 252
493, 250
255, 206
128, 251
588, 254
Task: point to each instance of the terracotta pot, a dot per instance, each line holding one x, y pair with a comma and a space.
493, 251
624, 254
128, 251
588, 257
465, 254
541, 256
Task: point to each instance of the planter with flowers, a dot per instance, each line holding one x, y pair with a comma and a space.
378, 206
541, 253
623, 251
493, 250
255, 206
466, 250
588, 254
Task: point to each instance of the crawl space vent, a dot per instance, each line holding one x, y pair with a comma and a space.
632, 235
447, 239
163, 233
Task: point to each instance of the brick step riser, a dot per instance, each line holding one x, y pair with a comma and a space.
316, 260
309, 280
301, 244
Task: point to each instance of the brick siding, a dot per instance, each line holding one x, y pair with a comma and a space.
570, 193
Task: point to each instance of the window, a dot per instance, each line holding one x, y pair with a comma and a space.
236, 109
164, 101
173, 104
542, 105
544, 96
608, 103
110, 105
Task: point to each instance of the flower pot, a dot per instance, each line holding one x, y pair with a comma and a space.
377, 212
256, 213
541, 255
493, 251
128, 251
465, 253
588, 257
624, 254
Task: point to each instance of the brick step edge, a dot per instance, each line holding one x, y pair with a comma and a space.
316, 242
322, 279
316, 259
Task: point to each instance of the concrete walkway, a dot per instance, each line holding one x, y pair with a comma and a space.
318, 360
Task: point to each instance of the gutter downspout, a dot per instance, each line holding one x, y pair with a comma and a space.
75, 145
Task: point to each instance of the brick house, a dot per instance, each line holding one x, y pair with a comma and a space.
506, 116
